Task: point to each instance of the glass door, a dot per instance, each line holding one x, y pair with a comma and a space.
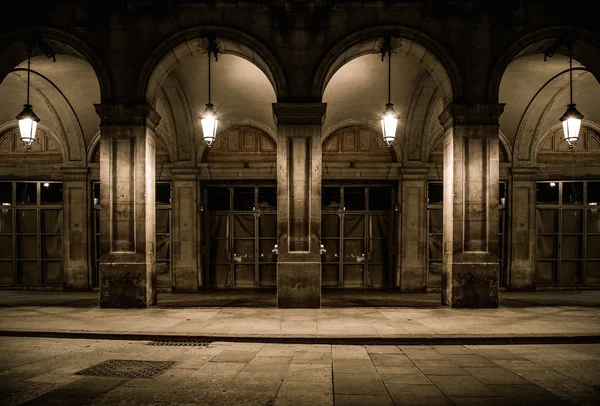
242, 233
356, 233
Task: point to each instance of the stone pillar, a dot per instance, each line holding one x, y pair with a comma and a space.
522, 229
299, 159
127, 204
471, 170
75, 229
413, 234
185, 229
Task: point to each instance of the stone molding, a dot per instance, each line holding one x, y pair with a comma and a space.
75, 174
184, 174
299, 113
524, 173
125, 115
471, 114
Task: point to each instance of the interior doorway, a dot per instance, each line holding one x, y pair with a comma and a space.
357, 233
241, 231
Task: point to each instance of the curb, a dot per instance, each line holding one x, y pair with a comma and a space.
397, 340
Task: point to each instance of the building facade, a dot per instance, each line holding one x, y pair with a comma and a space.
299, 192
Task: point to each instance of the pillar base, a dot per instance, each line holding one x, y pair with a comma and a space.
411, 280
473, 286
125, 285
186, 280
299, 285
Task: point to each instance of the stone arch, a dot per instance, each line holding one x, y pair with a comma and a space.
586, 49
13, 51
423, 48
48, 148
241, 143
357, 143
551, 148
192, 42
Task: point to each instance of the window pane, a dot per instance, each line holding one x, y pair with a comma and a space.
547, 221
544, 273
380, 226
53, 272
436, 221
27, 247
330, 225
377, 276
331, 198
354, 251
434, 275
163, 273
571, 247
354, 225
243, 226
380, 198
380, 250
26, 221
354, 198
27, 273
51, 247
593, 191
332, 250
6, 273
218, 251
267, 225
163, 247
218, 226
354, 276
52, 221
96, 193
435, 193
267, 198
267, 275
435, 247
162, 221
547, 193
243, 251
266, 253
218, 198
6, 247
592, 273
546, 247
26, 193
244, 276
243, 198
163, 192
593, 247
330, 275
593, 221
572, 221
570, 273
502, 193
5, 193
6, 221
573, 193
51, 193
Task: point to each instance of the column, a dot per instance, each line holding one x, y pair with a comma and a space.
127, 205
522, 229
185, 229
75, 229
299, 159
413, 230
471, 170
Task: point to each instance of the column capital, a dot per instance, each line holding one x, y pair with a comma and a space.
524, 173
471, 114
127, 114
299, 113
185, 173
414, 173
74, 174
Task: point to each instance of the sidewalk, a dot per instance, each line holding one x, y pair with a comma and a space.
573, 317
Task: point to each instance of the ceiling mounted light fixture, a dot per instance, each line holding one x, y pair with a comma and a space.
389, 119
571, 120
209, 117
28, 120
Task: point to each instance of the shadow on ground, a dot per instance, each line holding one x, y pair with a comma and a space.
267, 298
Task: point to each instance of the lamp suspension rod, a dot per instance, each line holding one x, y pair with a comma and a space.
571, 72
28, 70
208, 77
389, 76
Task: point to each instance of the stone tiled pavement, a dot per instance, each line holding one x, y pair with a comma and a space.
42, 371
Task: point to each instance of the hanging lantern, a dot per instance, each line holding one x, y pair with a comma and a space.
209, 118
389, 119
28, 122
571, 120
209, 124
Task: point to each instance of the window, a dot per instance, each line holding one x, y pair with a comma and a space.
31, 241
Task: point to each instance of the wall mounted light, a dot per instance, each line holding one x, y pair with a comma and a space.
209, 117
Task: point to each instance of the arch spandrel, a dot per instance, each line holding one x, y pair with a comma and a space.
45, 150
553, 149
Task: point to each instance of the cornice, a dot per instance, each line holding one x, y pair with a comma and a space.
123, 115
184, 173
299, 113
471, 114
413, 173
